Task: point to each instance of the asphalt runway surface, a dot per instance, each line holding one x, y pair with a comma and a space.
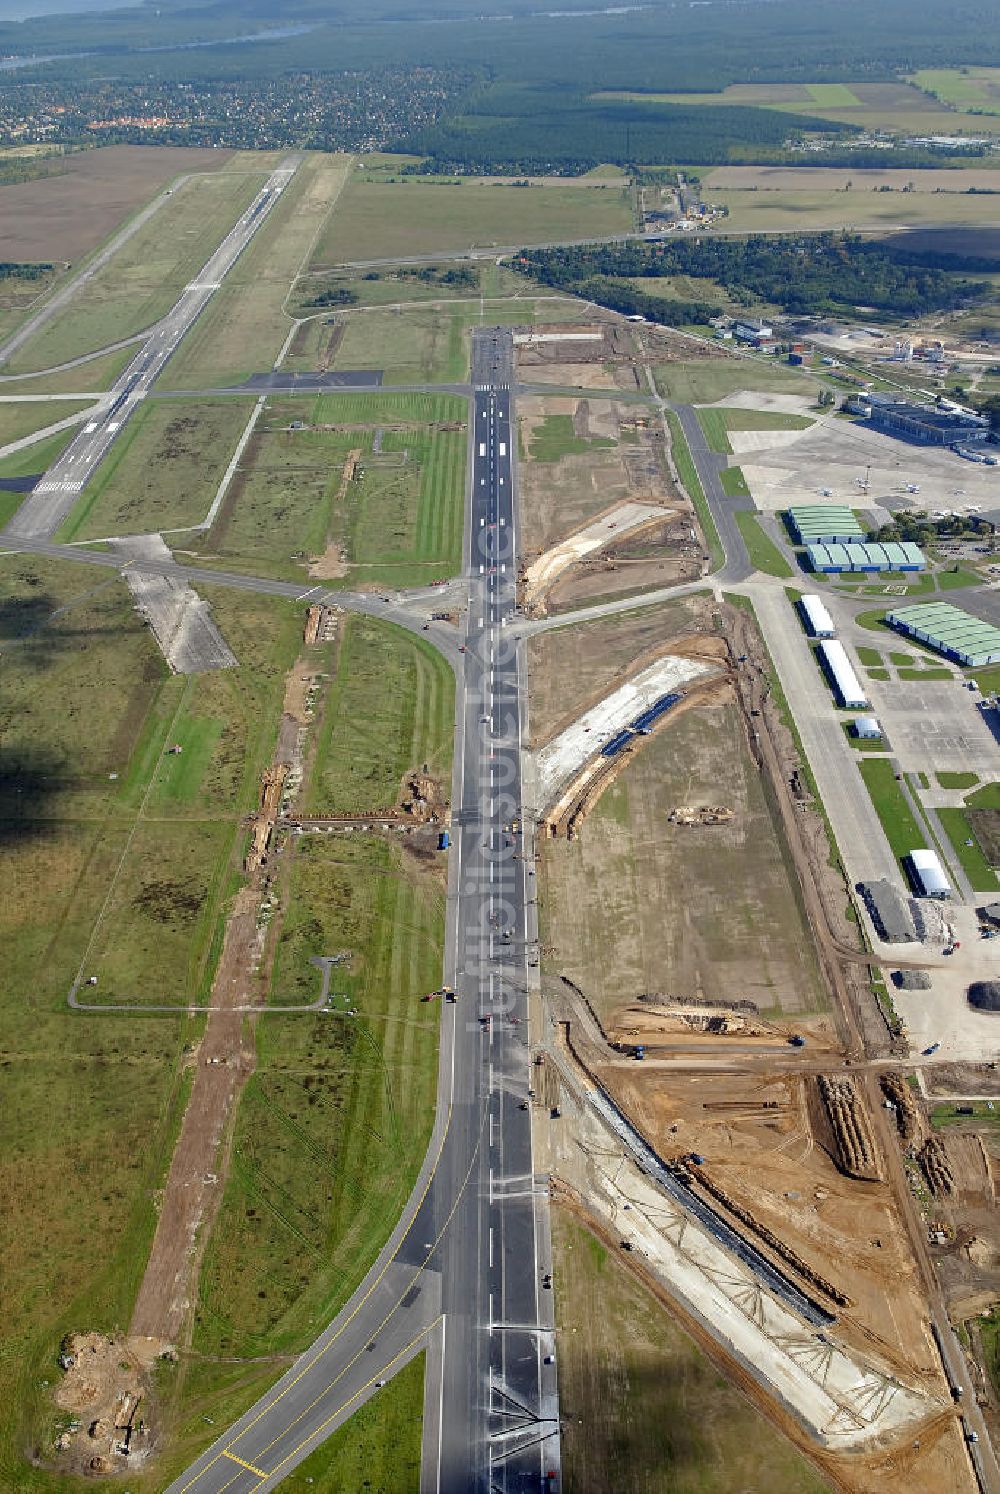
464, 1273
52, 498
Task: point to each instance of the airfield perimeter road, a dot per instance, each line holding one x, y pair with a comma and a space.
55, 494
464, 1269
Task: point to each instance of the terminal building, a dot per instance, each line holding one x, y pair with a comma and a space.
954, 633
825, 524
830, 560
927, 425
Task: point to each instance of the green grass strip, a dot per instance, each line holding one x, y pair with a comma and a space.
764, 553
901, 829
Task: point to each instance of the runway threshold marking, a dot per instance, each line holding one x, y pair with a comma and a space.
248, 1466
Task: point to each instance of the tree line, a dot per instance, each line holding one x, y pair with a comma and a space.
804, 274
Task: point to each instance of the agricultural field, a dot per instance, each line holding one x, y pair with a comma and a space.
65, 217
383, 219
244, 327
814, 198
163, 471
975, 88
364, 488
144, 278
644, 1396
889, 106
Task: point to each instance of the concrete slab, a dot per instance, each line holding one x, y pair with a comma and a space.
180, 619
558, 760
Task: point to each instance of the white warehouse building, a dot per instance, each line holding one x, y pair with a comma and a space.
840, 672
928, 874
818, 620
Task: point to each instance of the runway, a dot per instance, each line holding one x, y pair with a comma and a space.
464, 1272
55, 494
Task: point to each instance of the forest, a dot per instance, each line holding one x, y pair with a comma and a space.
804, 274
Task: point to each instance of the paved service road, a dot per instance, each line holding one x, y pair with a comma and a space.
55, 494
709, 465
464, 1272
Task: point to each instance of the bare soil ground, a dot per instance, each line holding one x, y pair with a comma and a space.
571, 669
105, 1398
65, 217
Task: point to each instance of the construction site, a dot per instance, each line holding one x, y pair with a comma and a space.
704, 1055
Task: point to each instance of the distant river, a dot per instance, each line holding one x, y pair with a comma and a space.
23, 10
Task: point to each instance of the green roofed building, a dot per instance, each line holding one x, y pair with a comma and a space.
825, 524
956, 634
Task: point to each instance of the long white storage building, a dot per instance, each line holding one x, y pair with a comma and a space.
928, 874
818, 620
840, 672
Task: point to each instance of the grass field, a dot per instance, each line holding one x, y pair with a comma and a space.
691, 482
18, 421
334, 1123
718, 422
959, 831
92, 377
734, 484
378, 1450
708, 379
610, 918
34, 459
385, 219
98, 1099
405, 284
764, 553
399, 520
650, 1411
163, 471
391, 709
902, 831
87, 696
424, 346
244, 327
143, 280
556, 438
